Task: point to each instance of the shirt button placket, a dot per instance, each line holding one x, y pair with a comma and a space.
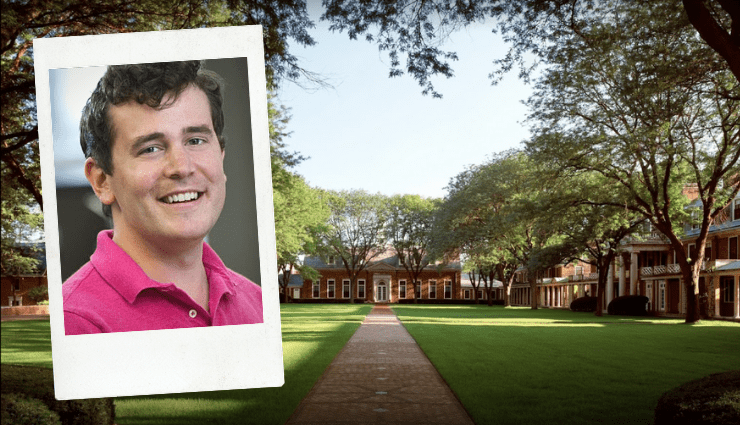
193, 313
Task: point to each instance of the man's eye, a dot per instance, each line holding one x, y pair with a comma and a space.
149, 149
197, 141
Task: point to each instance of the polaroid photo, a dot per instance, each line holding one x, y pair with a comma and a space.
159, 220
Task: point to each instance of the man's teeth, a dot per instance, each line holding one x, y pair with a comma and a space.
181, 197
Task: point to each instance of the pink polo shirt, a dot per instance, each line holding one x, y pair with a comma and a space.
111, 293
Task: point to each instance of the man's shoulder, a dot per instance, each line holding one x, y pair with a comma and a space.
242, 283
77, 282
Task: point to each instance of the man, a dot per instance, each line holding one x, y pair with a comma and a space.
152, 136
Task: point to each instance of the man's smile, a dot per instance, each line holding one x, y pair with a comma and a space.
181, 197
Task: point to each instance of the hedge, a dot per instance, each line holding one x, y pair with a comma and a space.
712, 400
629, 305
18, 409
585, 304
38, 383
444, 301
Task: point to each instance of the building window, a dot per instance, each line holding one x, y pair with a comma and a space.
448, 290
330, 289
361, 289
466, 294
402, 289
316, 290
296, 293
432, 289
346, 288
736, 210
418, 289
649, 293
480, 294
661, 296
732, 249
728, 290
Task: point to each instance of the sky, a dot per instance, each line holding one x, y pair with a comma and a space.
381, 134
369, 131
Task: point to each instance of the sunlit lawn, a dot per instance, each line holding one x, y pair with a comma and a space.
518, 366
312, 336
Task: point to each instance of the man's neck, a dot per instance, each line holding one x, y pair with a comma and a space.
180, 263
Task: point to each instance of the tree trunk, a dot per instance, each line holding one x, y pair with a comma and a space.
691, 286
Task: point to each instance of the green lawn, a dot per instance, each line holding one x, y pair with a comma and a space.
516, 365
312, 336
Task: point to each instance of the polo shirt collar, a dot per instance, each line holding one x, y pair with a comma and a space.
124, 275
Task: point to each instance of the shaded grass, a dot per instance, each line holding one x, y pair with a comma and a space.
26, 342
312, 336
516, 365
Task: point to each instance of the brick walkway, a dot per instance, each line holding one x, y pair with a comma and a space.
380, 377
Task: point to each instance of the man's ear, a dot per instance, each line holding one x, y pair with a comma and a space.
99, 181
223, 155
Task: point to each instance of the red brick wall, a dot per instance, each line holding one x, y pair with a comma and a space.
25, 283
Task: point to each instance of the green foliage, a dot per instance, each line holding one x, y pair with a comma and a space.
587, 304
628, 305
38, 383
712, 400
38, 294
20, 410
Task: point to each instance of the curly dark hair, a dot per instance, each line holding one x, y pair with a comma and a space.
146, 84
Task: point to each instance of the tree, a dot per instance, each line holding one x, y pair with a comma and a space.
614, 102
355, 230
282, 22
300, 215
408, 230
589, 230
416, 29
490, 214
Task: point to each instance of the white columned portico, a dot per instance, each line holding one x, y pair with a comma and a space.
622, 277
737, 297
609, 286
384, 282
634, 273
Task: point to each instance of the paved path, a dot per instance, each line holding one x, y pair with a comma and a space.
380, 377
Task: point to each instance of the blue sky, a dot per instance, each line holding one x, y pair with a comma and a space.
369, 131
381, 134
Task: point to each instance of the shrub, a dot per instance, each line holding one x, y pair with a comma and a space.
628, 305
38, 383
38, 293
712, 400
587, 304
20, 410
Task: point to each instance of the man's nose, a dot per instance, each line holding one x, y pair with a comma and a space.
179, 162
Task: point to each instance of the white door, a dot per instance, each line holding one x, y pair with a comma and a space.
382, 292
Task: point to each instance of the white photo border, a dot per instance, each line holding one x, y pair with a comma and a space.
176, 360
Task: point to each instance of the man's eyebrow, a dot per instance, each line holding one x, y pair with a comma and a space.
142, 140
204, 129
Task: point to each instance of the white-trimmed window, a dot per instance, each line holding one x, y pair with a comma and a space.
402, 289
661, 296
296, 293
649, 290
480, 294
418, 289
361, 289
728, 289
330, 289
346, 285
732, 248
736, 209
316, 292
466, 294
448, 290
432, 289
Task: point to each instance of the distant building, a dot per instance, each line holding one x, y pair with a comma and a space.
15, 286
384, 280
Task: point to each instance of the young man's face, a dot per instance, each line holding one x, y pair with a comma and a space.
168, 182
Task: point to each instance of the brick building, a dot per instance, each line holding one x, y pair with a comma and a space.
646, 265
384, 280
